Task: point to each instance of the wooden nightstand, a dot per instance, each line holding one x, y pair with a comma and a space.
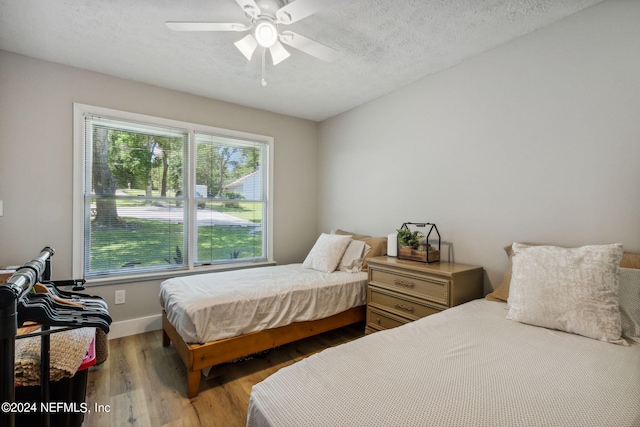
401, 291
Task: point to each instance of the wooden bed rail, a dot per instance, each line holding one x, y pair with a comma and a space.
199, 356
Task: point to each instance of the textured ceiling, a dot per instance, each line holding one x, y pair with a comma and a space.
383, 45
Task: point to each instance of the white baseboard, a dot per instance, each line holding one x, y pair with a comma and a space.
140, 325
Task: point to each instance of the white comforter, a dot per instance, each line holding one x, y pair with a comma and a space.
466, 366
209, 307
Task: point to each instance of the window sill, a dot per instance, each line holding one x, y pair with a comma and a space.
113, 280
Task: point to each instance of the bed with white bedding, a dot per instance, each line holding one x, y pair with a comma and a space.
210, 307
217, 317
472, 366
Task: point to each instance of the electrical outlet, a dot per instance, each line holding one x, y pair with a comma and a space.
120, 297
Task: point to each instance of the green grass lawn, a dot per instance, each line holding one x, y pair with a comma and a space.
245, 210
147, 243
139, 242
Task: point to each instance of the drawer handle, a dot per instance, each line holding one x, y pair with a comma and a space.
404, 283
378, 320
404, 307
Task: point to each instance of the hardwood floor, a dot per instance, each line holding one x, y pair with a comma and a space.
145, 384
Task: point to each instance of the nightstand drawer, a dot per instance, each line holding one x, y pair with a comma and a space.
400, 305
379, 320
429, 287
401, 291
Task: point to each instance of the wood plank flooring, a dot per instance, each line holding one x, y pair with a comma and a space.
145, 384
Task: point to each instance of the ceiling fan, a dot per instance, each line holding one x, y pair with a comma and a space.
266, 16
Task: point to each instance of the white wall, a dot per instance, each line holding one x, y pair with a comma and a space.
36, 152
537, 140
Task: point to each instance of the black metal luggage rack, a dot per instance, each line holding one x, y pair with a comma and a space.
17, 307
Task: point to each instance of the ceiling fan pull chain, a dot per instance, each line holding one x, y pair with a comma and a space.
264, 53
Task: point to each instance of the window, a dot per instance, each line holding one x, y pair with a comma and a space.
153, 195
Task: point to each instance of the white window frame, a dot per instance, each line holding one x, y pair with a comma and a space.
79, 113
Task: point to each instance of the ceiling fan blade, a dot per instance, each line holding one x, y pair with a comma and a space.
207, 26
300, 9
249, 7
247, 45
278, 53
309, 46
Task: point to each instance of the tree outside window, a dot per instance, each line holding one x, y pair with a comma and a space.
150, 205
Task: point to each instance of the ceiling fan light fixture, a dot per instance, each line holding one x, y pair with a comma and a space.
278, 53
247, 45
266, 33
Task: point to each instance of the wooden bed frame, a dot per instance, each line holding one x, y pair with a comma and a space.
199, 356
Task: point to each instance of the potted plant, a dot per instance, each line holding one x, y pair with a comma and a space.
408, 238
414, 245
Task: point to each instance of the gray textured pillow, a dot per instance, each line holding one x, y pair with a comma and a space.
570, 289
327, 252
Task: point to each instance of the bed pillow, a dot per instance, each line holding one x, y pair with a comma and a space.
501, 292
327, 252
353, 257
574, 290
354, 236
378, 245
630, 303
629, 291
630, 260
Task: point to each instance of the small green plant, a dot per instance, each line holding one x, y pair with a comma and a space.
407, 237
232, 195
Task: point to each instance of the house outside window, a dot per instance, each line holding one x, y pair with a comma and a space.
154, 196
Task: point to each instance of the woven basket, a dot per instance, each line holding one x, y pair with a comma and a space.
102, 347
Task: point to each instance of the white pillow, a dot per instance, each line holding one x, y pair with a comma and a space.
327, 252
353, 257
570, 289
630, 303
